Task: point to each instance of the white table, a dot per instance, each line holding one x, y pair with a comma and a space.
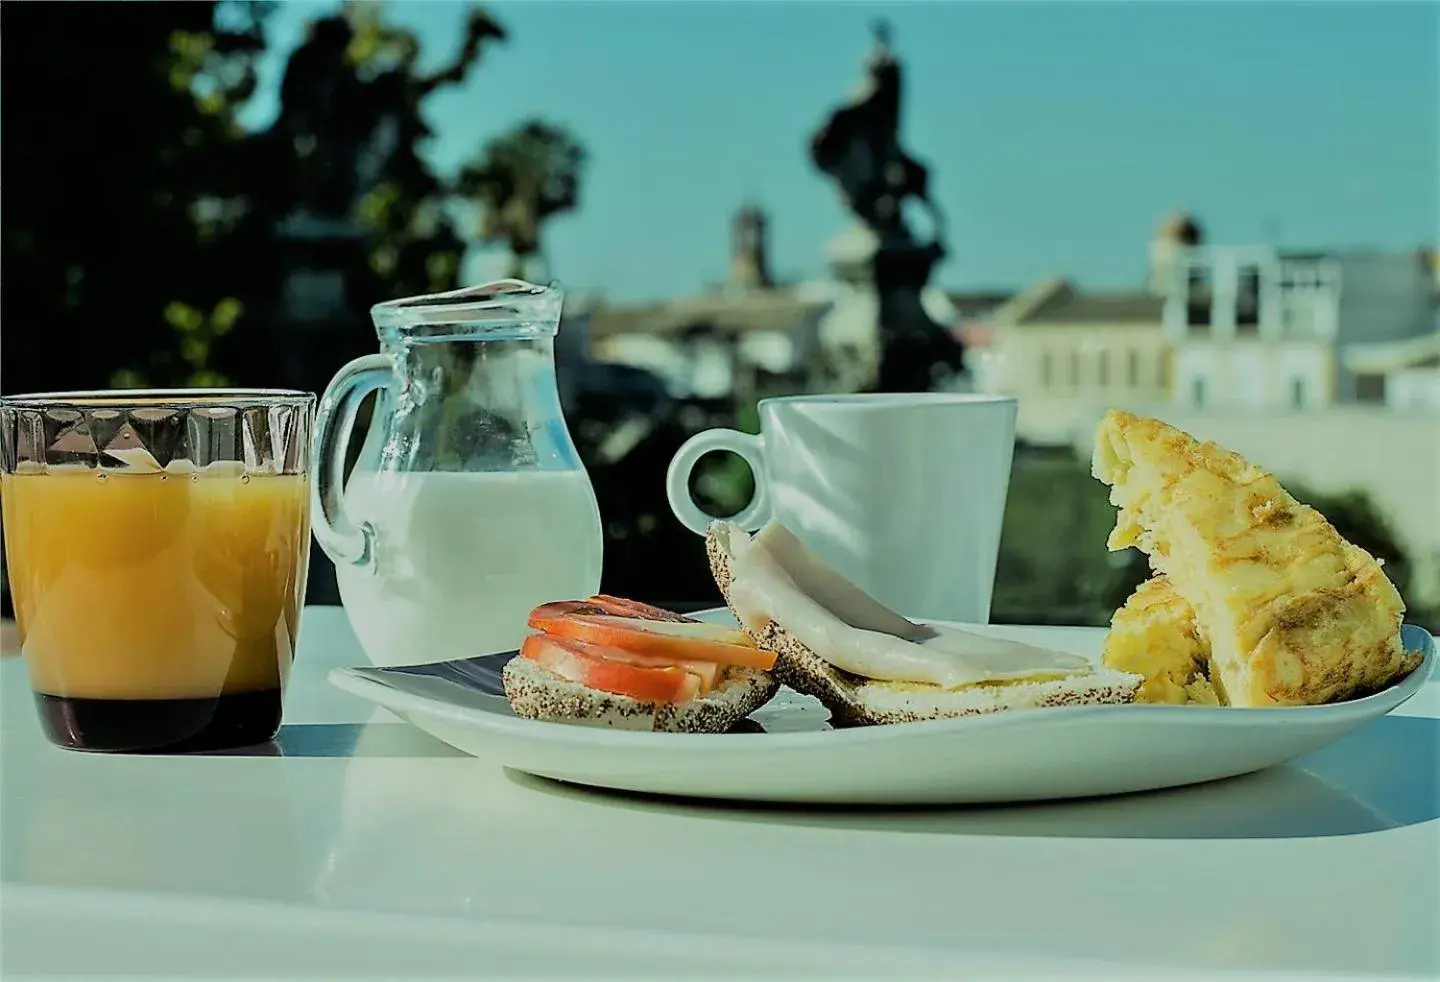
359, 846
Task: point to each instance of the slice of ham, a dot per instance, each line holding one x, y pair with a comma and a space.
776, 579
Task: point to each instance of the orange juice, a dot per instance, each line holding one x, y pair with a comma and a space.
140, 596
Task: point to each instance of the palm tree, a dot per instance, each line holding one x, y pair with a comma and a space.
521, 179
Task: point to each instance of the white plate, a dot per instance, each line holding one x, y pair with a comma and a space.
787, 751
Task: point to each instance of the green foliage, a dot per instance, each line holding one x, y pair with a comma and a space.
189, 359
124, 209
521, 180
1053, 565
379, 46
648, 553
140, 233
747, 417
415, 246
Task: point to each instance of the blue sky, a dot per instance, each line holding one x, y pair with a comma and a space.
1057, 134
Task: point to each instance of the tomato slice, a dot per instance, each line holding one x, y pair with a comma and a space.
606, 605
589, 665
634, 608
675, 641
565, 608
708, 672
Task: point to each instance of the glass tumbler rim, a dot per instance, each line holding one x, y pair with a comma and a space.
157, 398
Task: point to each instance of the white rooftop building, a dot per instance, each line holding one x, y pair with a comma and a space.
1403, 375
1254, 327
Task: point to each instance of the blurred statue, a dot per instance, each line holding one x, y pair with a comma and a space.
349, 105
323, 120
858, 146
880, 337
349, 211
397, 89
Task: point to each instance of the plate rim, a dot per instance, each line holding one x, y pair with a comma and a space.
359, 681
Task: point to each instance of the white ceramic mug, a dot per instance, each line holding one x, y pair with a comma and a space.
904, 494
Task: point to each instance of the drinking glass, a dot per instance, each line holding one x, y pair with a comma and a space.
158, 544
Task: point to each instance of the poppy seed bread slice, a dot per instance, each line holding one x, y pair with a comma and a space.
537, 693
855, 700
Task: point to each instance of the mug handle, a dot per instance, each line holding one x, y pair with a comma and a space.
342, 540
677, 478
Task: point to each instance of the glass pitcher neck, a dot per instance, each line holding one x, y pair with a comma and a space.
481, 404
509, 310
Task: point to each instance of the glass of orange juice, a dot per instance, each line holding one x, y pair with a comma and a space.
157, 543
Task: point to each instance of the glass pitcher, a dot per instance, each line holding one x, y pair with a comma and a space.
468, 505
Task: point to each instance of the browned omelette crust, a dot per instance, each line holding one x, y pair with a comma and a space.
1293, 613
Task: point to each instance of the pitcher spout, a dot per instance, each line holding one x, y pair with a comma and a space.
500, 304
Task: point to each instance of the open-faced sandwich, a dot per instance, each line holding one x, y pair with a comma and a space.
869, 664
612, 662
1257, 600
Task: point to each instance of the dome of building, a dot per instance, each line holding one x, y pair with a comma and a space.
1181, 228
1177, 234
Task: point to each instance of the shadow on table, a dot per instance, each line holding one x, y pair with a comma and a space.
344, 740
1383, 776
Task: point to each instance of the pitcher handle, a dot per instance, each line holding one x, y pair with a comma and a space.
677, 478
342, 540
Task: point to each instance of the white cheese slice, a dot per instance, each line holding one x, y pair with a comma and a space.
776, 578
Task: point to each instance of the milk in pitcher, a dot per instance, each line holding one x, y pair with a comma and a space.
461, 558
469, 504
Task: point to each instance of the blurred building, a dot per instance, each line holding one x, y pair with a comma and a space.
1264, 329
747, 334
1220, 328
1403, 375
1061, 350
748, 337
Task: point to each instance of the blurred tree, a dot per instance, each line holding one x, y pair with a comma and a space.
649, 555
346, 211
415, 246
142, 222
1127, 570
124, 166
521, 180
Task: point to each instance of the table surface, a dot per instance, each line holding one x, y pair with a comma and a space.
358, 844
